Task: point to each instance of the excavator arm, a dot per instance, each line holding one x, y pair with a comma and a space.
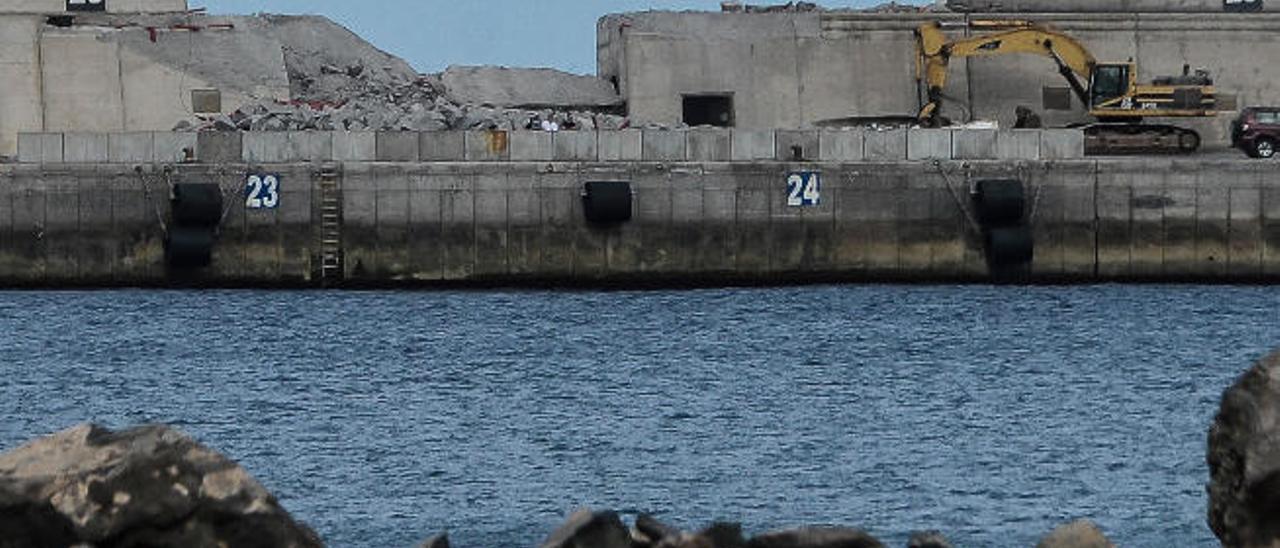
935, 51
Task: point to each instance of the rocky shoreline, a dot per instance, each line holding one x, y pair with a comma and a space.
155, 486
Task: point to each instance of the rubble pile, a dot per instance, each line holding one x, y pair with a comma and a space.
337, 81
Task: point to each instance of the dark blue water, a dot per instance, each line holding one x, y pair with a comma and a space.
990, 413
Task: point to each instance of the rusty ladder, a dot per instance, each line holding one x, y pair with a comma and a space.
331, 263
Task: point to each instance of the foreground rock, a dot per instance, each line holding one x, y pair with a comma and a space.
1244, 460
816, 537
148, 486
1077, 534
587, 529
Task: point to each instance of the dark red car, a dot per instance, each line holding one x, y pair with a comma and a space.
1257, 131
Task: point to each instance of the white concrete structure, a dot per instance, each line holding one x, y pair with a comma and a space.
787, 70
133, 68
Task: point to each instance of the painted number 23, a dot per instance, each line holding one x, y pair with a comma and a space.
262, 192
804, 189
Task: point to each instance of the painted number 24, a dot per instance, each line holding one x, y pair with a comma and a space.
804, 189
262, 192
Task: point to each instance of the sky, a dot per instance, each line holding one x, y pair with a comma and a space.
433, 34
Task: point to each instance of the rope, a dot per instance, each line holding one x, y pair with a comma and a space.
973, 223
146, 192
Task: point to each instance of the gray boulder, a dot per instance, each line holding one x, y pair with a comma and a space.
1077, 534
587, 529
1244, 460
816, 537
928, 539
148, 486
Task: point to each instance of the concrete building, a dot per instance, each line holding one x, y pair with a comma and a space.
777, 70
126, 65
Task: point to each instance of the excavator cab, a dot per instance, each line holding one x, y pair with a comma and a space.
1111, 84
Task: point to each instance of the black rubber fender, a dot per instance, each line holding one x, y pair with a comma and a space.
197, 204
999, 202
607, 202
1010, 246
189, 247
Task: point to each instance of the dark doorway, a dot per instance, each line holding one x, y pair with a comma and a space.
710, 109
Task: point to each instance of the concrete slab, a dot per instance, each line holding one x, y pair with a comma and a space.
709, 145
442, 146
885, 146
40, 148
1061, 144
171, 147
974, 144
133, 147
487, 146
797, 145
85, 148
218, 147
531, 146
664, 146
841, 145
623, 145
355, 146
266, 147
396, 146
1018, 144
578, 146
311, 146
929, 144
752, 145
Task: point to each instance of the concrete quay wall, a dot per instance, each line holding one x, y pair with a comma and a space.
467, 220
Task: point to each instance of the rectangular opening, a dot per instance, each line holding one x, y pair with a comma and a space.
86, 5
1057, 98
709, 109
206, 101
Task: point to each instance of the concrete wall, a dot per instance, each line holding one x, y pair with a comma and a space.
791, 70
498, 220
113, 6
99, 78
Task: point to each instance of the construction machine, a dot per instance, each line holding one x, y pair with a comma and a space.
1110, 91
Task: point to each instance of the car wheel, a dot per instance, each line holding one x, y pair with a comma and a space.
1188, 142
1264, 148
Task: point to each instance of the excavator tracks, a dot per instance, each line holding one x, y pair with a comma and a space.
1103, 139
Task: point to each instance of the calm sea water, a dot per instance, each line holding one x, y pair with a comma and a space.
990, 413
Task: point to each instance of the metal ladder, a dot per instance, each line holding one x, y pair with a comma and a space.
331, 270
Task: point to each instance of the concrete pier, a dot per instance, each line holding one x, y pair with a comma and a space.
498, 208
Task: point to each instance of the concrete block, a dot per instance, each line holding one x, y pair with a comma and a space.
531, 146
797, 145
663, 146
929, 144
1018, 144
266, 146
1060, 144
171, 147
752, 145
396, 146
487, 146
974, 144
311, 146
709, 145
577, 146
40, 148
133, 147
841, 145
885, 146
623, 145
85, 148
442, 146
214, 147
355, 146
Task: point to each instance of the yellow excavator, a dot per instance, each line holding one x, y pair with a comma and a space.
1110, 91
